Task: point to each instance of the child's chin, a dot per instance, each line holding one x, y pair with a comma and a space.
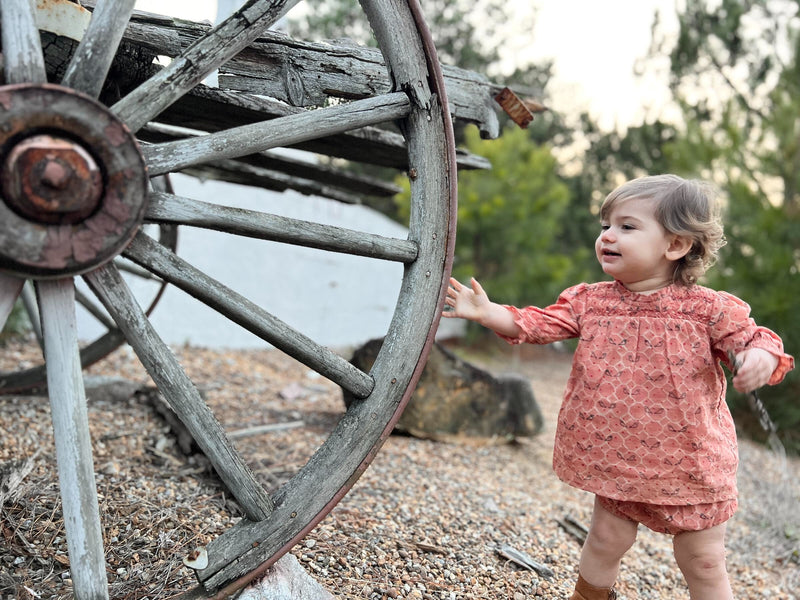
607, 269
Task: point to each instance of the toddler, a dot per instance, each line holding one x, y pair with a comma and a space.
644, 425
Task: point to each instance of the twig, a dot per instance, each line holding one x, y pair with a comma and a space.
431, 548
522, 559
259, 429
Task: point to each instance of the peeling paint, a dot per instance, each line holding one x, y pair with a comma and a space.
115, 134
57, 248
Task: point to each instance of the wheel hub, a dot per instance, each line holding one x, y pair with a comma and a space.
51, 180
74, 184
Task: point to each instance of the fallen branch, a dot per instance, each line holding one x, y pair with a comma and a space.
522, 559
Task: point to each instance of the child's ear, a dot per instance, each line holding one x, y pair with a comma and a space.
678, 247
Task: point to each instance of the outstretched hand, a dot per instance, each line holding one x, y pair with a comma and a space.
471, 302
464, 302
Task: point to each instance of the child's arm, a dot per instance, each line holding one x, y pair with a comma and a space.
473, 304
754, 369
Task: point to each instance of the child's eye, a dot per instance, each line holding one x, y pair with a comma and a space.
605, 226
629, 227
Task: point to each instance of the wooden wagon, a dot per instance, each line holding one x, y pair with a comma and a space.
90, 126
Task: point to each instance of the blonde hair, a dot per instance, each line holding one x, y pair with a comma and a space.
683, 207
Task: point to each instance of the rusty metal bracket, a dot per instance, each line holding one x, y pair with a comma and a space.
521, 111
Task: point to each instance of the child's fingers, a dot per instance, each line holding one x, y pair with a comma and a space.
454, 287
476, 287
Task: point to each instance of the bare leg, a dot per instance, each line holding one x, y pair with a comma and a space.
701, 558
610, 537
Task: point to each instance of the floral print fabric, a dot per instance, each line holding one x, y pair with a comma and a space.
644, 417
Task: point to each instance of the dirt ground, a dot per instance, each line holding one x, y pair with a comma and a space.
425, 521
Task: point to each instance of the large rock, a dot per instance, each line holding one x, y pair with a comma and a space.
455, 400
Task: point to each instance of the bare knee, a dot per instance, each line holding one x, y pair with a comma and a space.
610, 535
701, 558
609, 540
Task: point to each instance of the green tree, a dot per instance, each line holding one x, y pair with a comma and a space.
512, 221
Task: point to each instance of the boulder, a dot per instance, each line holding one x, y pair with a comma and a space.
457, 401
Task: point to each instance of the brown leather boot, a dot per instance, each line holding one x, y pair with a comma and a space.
587, 591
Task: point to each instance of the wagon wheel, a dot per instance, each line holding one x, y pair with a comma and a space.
75, 195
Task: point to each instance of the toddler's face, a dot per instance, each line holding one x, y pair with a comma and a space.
632, 246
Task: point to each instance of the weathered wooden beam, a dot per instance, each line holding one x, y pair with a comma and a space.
211, 109
233, 171
278, 171
198, 60
303, 73
89, 65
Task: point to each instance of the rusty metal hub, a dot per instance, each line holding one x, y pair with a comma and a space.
51, 180
74, 184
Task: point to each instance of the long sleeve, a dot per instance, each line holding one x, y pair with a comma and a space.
556, 322
733, 329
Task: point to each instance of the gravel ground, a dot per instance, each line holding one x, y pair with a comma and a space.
423, 522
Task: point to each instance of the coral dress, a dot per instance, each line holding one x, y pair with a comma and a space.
644, 416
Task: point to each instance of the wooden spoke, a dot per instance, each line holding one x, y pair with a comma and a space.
107, 283
73, 442
10, 288
89, 65
167, 208
198, 60
274, 171
126, 266
28, 297
284, 131
23, 60
145, 251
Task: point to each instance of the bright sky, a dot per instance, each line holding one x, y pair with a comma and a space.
594, 45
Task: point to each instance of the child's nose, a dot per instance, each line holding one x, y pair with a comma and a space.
607, 234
